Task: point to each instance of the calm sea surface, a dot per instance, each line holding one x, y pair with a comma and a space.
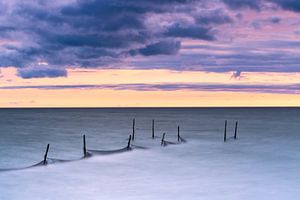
264, 163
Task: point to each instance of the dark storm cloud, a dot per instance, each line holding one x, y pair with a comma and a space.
41, 72
213, 17
236, 4
92, 33
256, 56
194, 32
107, 8
168, 47
293, 5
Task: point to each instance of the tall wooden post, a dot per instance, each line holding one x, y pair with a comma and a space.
152, 128
84, 147
163, 139
133, 129
235, 130
178, 134
46, 154
129, 140
225, 129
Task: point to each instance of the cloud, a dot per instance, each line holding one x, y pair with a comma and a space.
216, 16
250, 56
237, 4
191, 31
275, 20
237, 75
293, 5
260, 23
102, 33
274, 89
168, 47
56, 32
41, 72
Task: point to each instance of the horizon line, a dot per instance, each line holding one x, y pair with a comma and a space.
149, 107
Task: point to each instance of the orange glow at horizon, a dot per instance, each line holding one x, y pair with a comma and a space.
128, 98
131, 98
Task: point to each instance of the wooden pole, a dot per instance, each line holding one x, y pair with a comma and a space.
129, 140
163, 139
84, 147
178, 134
152, 128
133, 129
235, 130
46, 154
225, 131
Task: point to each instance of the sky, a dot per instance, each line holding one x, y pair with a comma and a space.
149, 53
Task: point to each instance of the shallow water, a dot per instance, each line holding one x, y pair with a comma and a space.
264, 163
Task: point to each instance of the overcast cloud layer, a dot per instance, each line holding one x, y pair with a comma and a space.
144, 33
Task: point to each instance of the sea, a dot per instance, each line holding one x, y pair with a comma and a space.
263, 162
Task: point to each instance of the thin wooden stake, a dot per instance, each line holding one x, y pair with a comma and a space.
235, 130
178, 134
129, 140
84, 147
163, 139
152, 128
133, 129
46, 154
225, 131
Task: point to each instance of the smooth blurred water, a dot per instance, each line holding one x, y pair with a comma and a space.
264, 163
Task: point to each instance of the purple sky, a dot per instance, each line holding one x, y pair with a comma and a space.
235, 36
98, 33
